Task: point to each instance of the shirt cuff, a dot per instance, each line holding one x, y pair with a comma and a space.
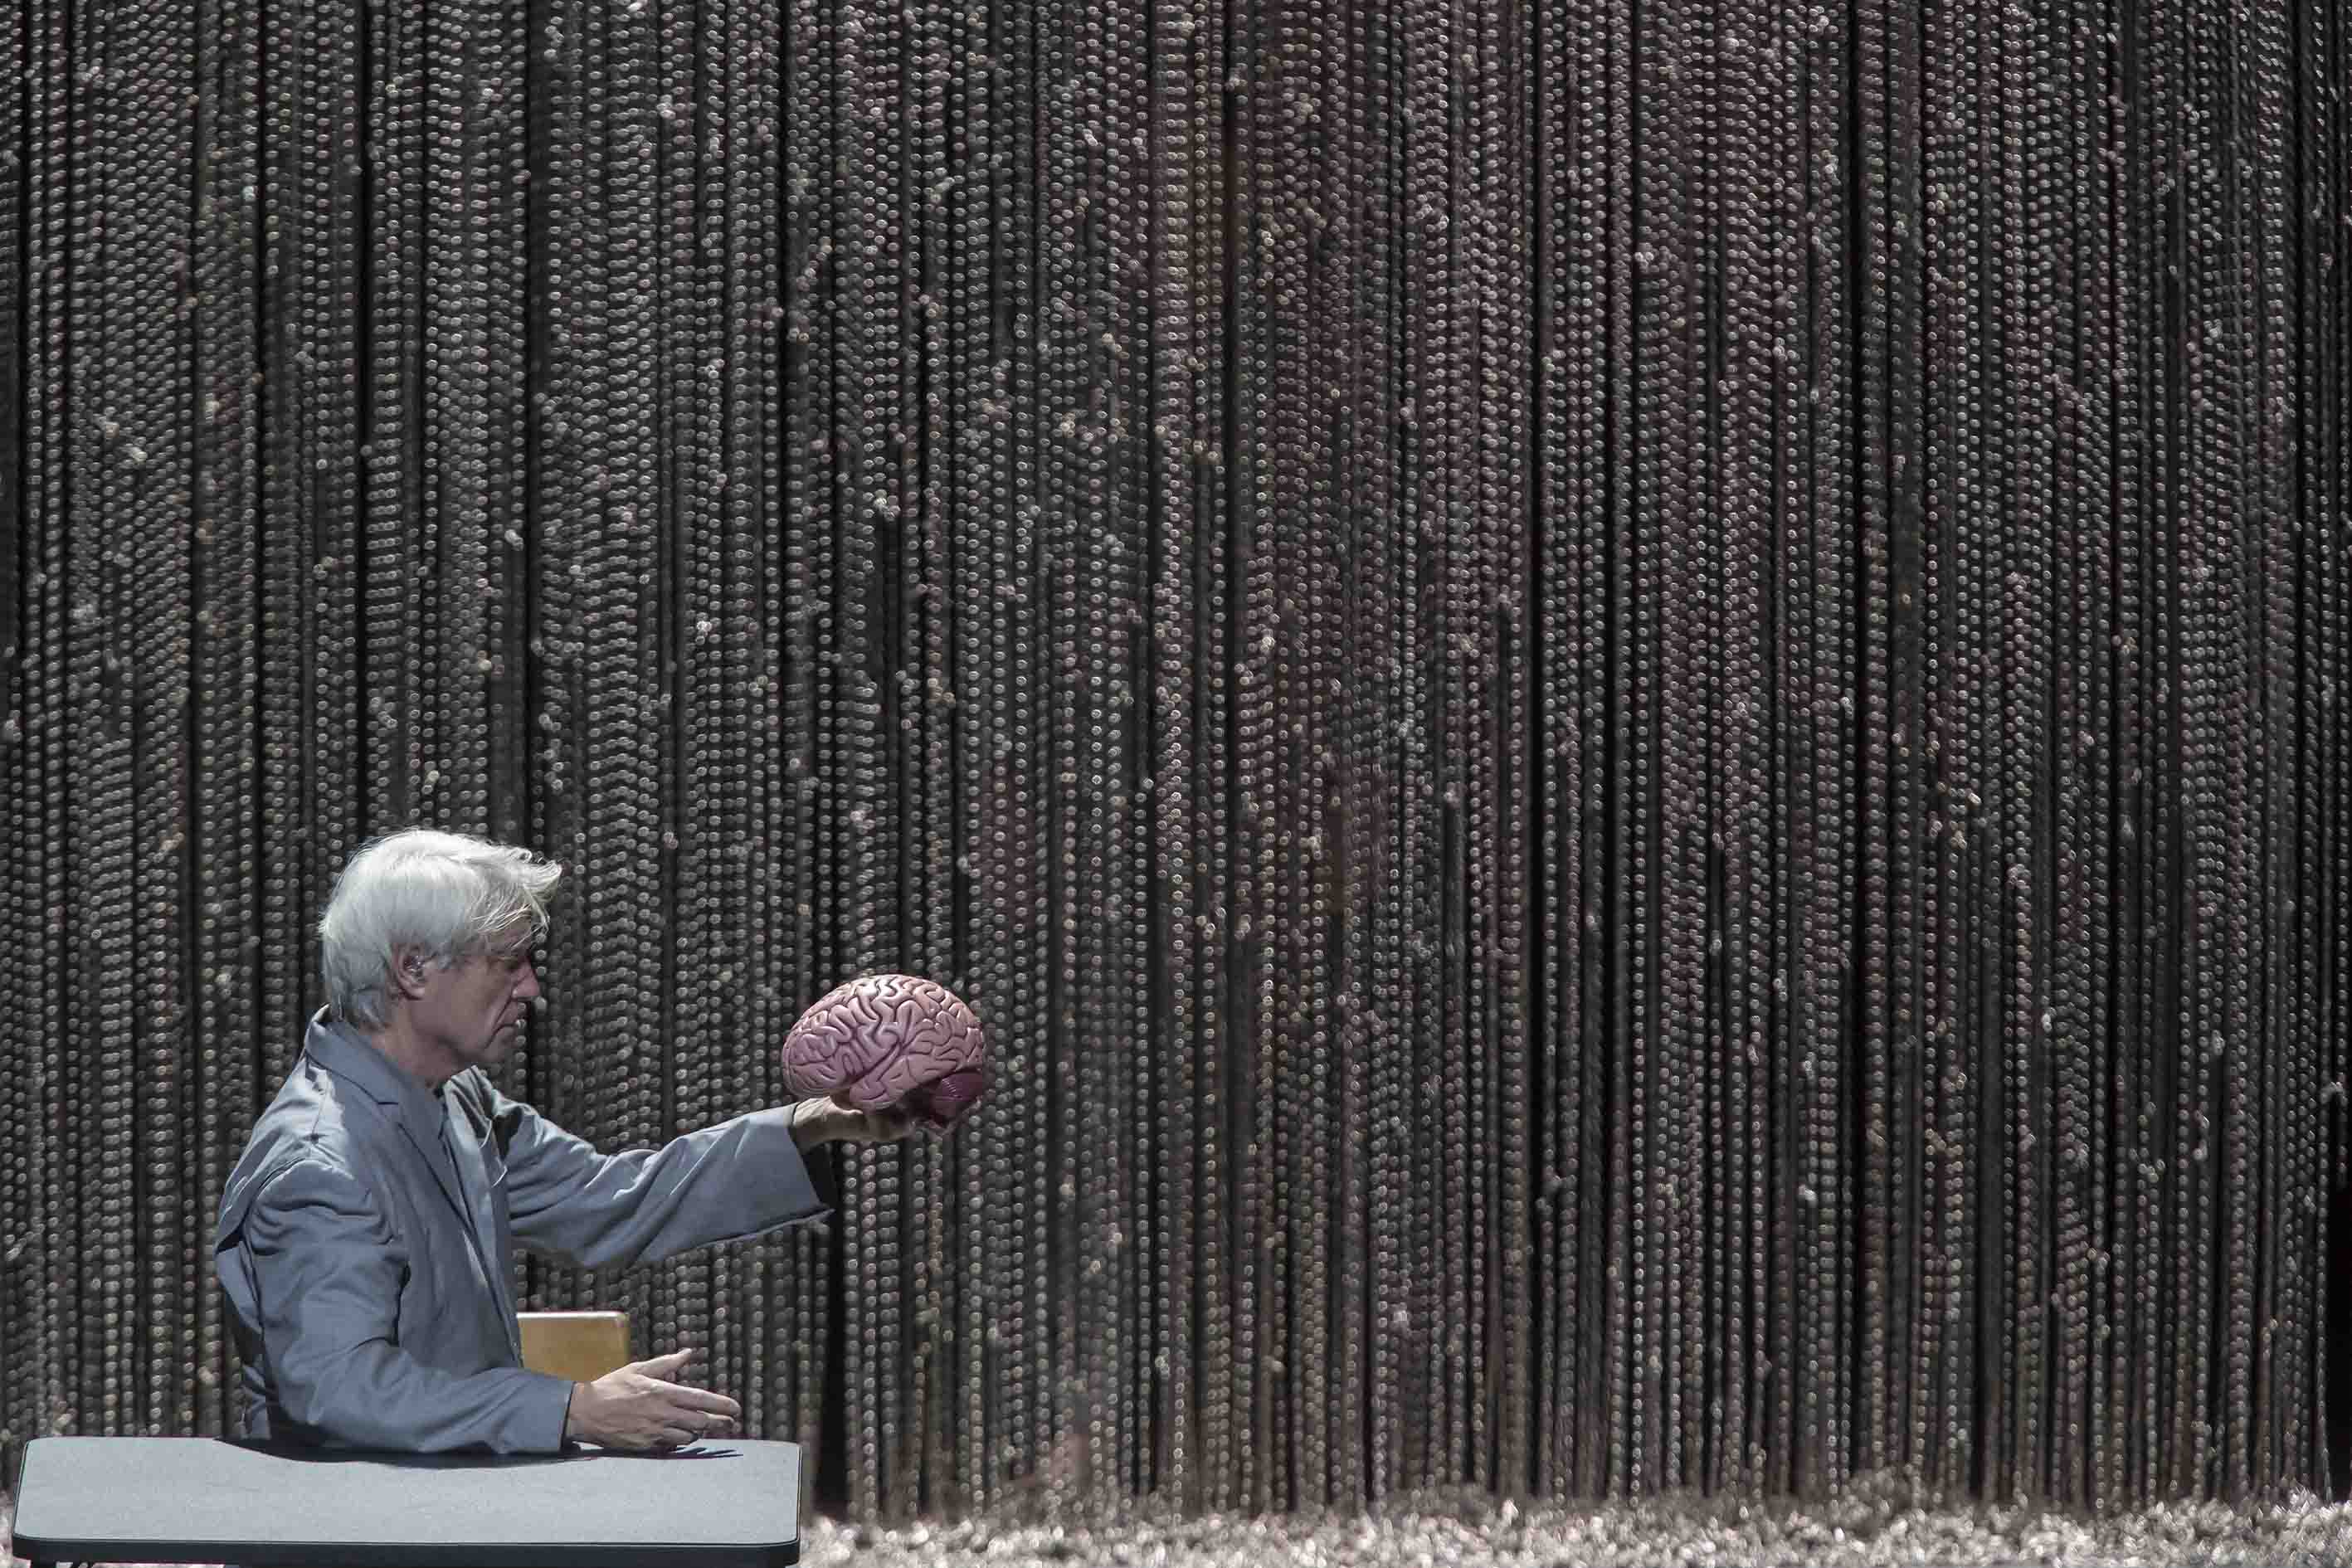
559, 1391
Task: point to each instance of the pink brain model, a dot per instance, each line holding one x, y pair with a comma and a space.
889, 1040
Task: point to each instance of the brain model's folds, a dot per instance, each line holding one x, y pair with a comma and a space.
889, 1040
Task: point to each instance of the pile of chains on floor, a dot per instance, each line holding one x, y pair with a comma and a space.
1630, 716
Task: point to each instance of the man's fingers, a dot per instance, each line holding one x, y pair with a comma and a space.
679, 1412
694, 1428
685, 1396
703, 1400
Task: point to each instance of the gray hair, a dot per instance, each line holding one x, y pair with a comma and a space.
448, 893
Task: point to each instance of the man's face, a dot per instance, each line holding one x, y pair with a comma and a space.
473, 1010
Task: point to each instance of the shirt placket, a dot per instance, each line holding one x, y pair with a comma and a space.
490, 1280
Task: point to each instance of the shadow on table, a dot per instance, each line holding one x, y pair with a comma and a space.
304, 1453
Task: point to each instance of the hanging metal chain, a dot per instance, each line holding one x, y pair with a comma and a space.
1630, 717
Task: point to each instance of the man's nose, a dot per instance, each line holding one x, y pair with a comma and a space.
527, 982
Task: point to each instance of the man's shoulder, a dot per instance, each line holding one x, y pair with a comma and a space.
316, 1108
309, 1122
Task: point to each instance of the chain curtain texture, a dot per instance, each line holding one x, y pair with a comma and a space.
1629, 715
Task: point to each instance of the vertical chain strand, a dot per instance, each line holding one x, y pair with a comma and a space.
1630, 716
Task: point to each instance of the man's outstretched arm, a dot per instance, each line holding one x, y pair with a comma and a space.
735, 1179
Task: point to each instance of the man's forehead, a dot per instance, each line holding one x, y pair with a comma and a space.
521, 937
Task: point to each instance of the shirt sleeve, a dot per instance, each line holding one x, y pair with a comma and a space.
326, 1269
727, 1182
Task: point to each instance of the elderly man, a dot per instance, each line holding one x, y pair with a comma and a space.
365, 1238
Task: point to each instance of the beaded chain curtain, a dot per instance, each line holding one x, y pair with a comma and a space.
1629, 716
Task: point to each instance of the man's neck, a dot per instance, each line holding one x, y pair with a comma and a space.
400, 1046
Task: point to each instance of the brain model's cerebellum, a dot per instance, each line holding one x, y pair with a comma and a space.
886, 1041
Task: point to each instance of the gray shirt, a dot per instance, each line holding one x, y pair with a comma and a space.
366, 1239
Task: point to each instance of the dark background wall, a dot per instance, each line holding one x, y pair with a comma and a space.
1630, 716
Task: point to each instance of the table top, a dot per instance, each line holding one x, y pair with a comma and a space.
729, 1503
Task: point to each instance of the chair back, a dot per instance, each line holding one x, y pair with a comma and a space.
579, 1346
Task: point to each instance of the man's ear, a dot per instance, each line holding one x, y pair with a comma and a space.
409, 966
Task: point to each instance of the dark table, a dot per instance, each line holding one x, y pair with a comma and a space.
731, 1503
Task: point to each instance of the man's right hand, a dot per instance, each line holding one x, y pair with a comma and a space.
637, 1408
